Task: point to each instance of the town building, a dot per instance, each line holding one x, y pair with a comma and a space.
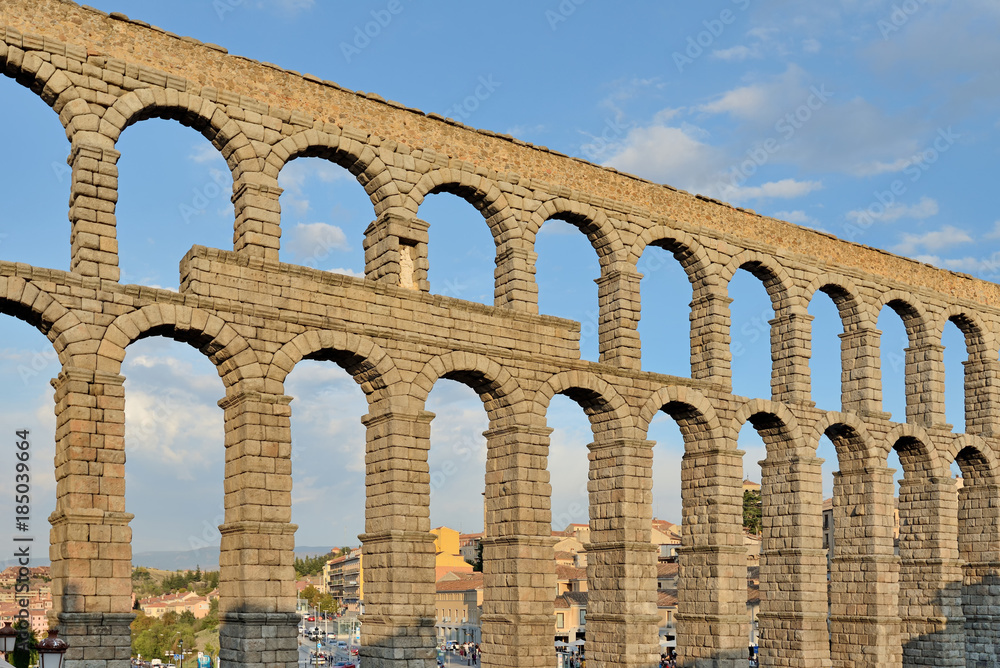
571, 616
354, 582
179, 603
458, 603
333, 578
468, 546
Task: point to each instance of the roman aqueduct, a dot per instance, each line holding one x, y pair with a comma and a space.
935, 603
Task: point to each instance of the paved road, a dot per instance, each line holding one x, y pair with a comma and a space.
306, 646
453, 659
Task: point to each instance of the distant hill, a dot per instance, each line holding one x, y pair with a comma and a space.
206, 557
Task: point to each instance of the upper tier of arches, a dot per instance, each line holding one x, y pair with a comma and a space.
257, 141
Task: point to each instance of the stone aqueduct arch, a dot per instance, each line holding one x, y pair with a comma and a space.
516, 360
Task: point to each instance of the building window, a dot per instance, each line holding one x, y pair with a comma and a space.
826, 541
826, 521
583, 617
559, 620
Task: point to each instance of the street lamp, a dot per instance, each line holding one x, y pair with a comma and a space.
51, 651
8, 639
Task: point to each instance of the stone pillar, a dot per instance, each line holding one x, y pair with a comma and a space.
617, 328
925, 385
93, 238
713, 626
397, 546
90, 540
256, 564
622, 620
396, 252
793, 584
514, 278
861, 373
864, 575
930, 574
520, 581
790, 352
979, 546
710, 338
982, 397
258, 218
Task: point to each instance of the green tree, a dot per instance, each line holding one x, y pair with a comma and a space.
477, 565
752, 511
148, 643
311, 565
311, 594
211, 650
326, 603
24, 654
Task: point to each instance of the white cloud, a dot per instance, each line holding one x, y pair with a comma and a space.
811, 46
877, 167
457, 458
816, 125
316, 240
171, 420
985, 267
934, 240
925, 208
558, 227
173, 428
295, 177
521, 131
798, 217
737, 53
995, 232
743, 102
347, 272
669, 155
783, 189
287, 6
204, 152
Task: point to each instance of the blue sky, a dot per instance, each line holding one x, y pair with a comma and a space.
810, 112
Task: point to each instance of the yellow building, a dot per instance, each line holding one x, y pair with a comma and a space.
448, 553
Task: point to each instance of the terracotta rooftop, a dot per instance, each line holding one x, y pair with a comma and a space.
666, 598
465, 582
667, 570
569, 598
